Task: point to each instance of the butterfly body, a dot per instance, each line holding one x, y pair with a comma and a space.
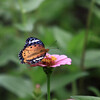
33, 51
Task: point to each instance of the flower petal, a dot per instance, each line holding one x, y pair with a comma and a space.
63, 61
69, 61
61, 57
42, 65
56, 65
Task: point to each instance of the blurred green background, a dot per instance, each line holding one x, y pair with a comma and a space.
63, 26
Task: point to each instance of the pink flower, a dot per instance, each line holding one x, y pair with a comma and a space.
37, 86
53, 61
37, 90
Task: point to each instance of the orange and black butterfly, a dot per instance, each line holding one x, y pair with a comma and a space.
33, 51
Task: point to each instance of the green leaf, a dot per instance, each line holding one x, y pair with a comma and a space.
92, 58
36, 71
46, 35
62, 93
95, 38
75, 46
62, 37
10, 50
29, 5
97, 1
47, 12
95, 91
62, 80
28, 26
85, 98
97, 10
7, 31
19, 86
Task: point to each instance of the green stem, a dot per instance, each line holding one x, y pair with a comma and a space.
22, 12
48, 71
74, 88
48, 86
86, 35
82, 67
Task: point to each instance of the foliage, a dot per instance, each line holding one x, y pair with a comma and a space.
61, 25
85, 98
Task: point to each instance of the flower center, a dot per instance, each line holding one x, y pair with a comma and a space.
49, 61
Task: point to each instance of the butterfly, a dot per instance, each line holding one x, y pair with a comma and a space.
33, 52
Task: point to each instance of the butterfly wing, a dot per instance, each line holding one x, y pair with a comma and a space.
32, 40
33, 51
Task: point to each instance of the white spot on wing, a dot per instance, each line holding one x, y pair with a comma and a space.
39, 58
34, 60
30, 42
35, 41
